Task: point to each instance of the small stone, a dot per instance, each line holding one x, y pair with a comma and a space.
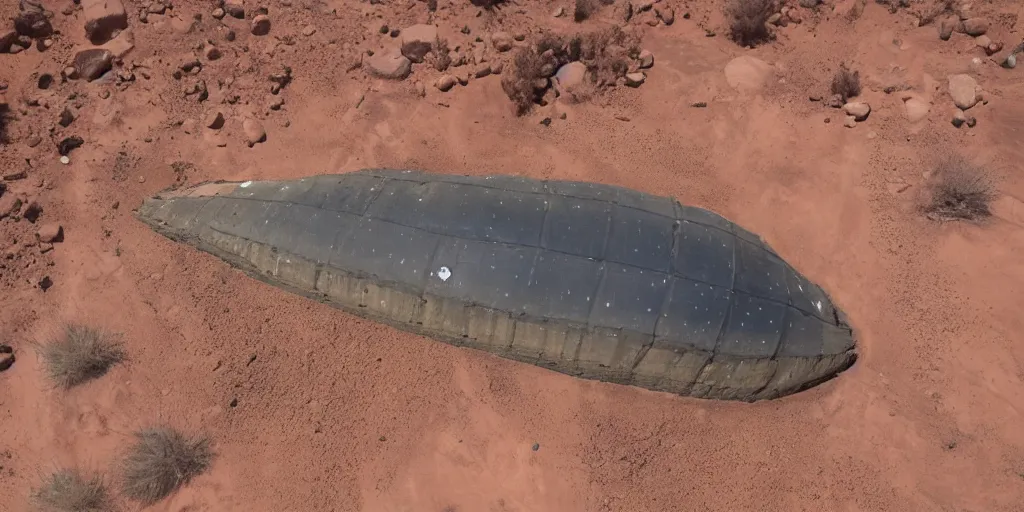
384, 29
233, 403
417, 41
635, 79
501, 41
33, 141
959, 118
497, 67
559, 12
546, 121
214, 120
254, 132
850, 122
1010, 62
218, 13
536, 446
809, 4
276, 102
482, 70
646, 59
65, 160
235, 9
212, 53
946, 27
156, 8
260, 25
666, 14
975, 26
229, 36
66, 117
32, 211
44, 283
390, 65
917, 109
6, 360
964, 91
983, 41
50, 233
858, 109
93, 62
309, 30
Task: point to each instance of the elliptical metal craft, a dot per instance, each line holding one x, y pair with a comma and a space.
591, 280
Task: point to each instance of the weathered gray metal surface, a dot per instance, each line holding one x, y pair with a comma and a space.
591, 280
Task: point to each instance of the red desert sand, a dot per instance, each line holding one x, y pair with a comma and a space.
309, 408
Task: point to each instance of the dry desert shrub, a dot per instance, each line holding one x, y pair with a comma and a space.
69, 490
846, 83
162, 460
606, 53
959, 191
521, 82
79, 354
749, 21
5, 121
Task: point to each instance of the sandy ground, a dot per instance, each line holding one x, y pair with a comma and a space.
338, 413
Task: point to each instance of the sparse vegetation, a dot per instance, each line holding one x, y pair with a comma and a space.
5, 120
161, 461
960, 191
606, 54
749, 21
69, 490
79, 354
846, 83
894, 5
442, 55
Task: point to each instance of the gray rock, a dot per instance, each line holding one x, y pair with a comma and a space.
389, 64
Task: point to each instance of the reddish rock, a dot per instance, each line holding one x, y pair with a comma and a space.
50, 233
501, 41
260, 25
417, 41
254, 132
103, 18
975, 26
